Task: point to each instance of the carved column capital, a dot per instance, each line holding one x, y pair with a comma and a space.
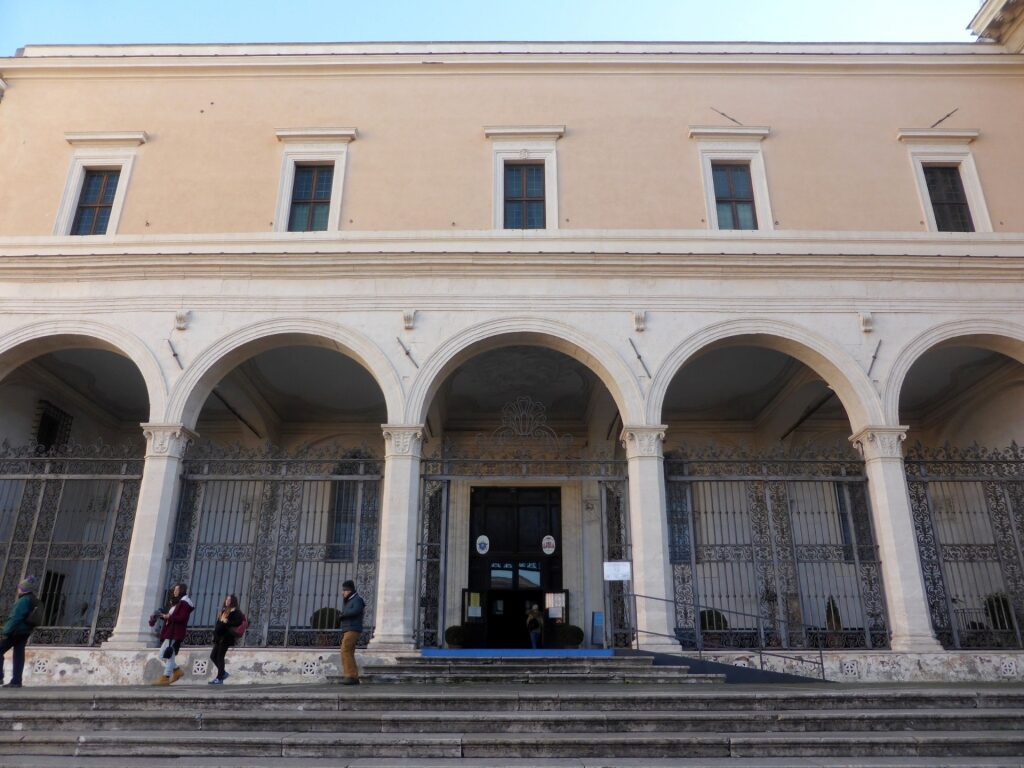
643, 440
402, 439
880, 442
169, 440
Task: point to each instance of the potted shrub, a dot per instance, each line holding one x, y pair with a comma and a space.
454, 636
567, 635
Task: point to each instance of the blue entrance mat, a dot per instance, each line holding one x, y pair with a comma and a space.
517, 653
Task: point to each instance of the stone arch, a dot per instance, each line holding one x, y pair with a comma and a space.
192, 389
599, 357
31, 341
993, 335
839, 370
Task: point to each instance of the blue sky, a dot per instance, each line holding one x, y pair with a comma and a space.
201, 21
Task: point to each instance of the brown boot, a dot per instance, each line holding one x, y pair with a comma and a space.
163, 680
176, 675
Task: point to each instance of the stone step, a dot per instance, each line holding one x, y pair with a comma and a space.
48, 761
531, 677
165, 744
539, 722
443, 669
610, 698
612, 661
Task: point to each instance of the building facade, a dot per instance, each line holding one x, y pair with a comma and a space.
697, 346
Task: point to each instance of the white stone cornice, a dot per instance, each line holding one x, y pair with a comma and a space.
106, 138
402, 440
880, 442
524, 132
167, 440
936, 136
643, 441
313, 135
729, 132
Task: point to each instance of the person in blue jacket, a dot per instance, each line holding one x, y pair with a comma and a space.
17, 630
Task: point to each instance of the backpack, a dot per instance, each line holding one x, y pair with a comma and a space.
35, 616
239, 631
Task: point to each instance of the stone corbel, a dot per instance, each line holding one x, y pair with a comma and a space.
880, 442
643, 440
167, 440
402, 439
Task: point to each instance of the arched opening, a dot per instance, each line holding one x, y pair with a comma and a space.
70, 467
523, 480
963, 401
281, 497
770, 530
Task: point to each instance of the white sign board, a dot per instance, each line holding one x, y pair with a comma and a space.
483, 545
547, 545
618, 571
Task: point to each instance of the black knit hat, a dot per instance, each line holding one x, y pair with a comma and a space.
348, 584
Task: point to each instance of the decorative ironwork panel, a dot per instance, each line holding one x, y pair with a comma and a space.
782, 551
967, 512
621, 623
282, 531
66, 516
433, 510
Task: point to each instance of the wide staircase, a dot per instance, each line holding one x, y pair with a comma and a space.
470, 712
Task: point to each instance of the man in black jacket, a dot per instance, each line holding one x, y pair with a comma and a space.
352, 610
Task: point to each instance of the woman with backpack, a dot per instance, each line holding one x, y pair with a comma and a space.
173, 633
25, 616
231, 625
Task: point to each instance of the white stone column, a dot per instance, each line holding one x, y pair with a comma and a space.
143, 589
903, 578
648, 524
396, 569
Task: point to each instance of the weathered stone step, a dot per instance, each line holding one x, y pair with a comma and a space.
47, 761
166, 744
203, 698
613, 661
530, 676
539, 722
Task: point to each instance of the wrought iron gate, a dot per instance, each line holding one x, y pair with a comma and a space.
282, 531
968, 507
773, 552
66, 517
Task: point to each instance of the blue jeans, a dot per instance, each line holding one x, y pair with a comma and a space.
535, 638
17, 642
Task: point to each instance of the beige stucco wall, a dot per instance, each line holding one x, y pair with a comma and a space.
421, 161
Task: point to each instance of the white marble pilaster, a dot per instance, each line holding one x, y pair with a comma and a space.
652, 572
396, 570
143, 588
903, 579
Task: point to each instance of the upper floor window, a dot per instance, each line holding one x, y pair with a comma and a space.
97, 182
947, 179
525, 171
311, 198
735, 184
734, 196
524, 196
948, 199
95, 202
312, 179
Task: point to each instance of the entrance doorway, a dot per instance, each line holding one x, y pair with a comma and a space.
515, 560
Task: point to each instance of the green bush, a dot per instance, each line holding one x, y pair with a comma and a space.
566, 635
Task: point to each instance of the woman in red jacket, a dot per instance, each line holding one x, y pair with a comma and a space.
173, 633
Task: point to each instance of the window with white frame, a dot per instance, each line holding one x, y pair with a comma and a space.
947, 180
97, 182
312, 178
525, 188
732, 170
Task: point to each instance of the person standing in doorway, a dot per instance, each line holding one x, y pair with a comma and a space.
535, 625
225, 634
17, 630
173, 633
352, 610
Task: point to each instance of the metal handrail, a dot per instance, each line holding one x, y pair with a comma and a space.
761, 647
